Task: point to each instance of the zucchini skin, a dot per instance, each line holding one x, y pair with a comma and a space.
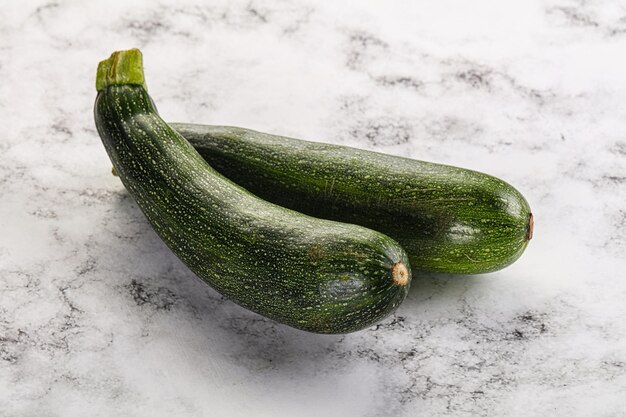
448, 219
312, 274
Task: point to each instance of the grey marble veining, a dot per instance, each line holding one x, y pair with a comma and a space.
98, 318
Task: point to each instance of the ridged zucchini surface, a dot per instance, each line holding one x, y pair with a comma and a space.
448, 219
316, 275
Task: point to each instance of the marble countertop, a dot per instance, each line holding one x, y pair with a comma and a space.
98, 318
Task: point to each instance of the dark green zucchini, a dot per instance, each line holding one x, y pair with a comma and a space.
448, 219
313, 274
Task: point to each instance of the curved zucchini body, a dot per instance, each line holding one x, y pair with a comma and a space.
448, 219
313, 274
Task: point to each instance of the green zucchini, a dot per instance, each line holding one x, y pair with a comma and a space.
312, 274
448, 219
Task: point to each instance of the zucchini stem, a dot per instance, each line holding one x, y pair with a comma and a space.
122, 67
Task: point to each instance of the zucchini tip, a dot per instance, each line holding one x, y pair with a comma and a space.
531, 226
400, 274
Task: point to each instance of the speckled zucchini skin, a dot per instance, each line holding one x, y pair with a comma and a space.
312, 274
448, 219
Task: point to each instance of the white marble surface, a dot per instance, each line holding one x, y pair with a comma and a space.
98, 318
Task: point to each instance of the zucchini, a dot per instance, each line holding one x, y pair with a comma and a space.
312, 274
448, 219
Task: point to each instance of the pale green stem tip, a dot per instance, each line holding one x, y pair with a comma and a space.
122, 67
